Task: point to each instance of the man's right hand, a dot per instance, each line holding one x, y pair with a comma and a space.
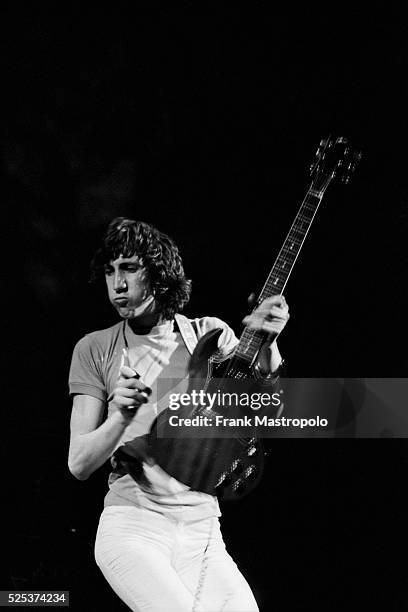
130, 393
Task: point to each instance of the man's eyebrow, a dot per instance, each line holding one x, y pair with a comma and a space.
130, 263
123, 263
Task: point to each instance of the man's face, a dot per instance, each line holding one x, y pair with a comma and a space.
128, 287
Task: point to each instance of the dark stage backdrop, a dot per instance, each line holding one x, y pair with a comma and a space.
203, 121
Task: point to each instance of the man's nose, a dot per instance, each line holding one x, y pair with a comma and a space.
119, 283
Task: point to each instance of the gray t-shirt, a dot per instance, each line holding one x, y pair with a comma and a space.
161, 359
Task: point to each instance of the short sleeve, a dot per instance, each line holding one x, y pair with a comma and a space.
85, 374
227, 340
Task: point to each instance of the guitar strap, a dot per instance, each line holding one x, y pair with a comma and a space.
187, 332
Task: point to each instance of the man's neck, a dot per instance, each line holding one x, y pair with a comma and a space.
143, 325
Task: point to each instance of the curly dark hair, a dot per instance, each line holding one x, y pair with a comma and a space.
158, 255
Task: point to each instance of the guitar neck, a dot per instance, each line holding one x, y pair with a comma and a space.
251, 340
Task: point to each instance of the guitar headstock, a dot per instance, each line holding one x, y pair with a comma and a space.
335, 159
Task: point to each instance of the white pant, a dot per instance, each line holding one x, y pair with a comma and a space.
159, 564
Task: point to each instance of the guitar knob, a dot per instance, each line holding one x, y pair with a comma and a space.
250, 472
252, 451
238, 467
222, 480
239, 487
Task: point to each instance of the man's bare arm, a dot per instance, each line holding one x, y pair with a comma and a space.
92, 443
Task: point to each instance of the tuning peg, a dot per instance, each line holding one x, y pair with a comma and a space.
341, 140
315, 166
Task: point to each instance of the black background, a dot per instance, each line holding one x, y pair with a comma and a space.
203, 121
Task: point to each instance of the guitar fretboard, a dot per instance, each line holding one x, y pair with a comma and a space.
251, 340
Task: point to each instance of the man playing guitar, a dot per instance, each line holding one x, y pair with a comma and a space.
159, 543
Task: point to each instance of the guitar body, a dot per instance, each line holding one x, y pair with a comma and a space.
230, 466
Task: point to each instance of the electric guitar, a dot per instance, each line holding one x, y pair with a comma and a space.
231, 466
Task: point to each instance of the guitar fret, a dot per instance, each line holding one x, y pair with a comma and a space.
293, 242
293, 238
315, 193
276, 277
272, 289
303, 218
298, 231
309, 207
301, 224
